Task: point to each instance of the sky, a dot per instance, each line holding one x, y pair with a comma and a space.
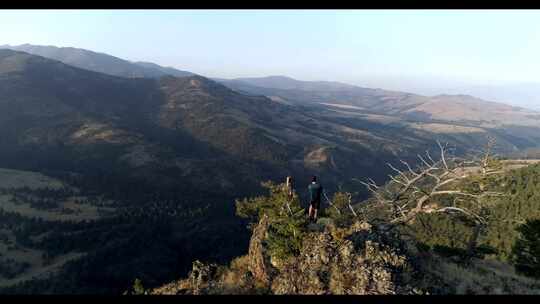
354, 46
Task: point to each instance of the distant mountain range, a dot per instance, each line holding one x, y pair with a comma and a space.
287, 83
191, 132
520, 94
462, 109
525, 95
98, 62
274, 124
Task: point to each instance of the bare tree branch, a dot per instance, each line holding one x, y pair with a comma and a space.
462, 210
408, 198
443, 158
398, 171
350, 204
408, 167
424, 161
330, 202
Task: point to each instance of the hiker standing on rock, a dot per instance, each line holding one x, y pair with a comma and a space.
315, 190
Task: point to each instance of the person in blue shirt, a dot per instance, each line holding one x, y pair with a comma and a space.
315, 190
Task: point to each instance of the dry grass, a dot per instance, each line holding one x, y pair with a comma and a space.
337, 105
98, 132
11, 250
82, 211
32, 257
508, 165
460, 108
481, 277
33, 180
233, 278
445, 128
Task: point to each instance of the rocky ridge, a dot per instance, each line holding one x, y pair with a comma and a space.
356, 260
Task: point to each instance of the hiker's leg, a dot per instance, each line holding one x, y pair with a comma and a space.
310, 211
315, 214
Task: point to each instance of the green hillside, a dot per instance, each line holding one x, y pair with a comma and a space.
151, 167
522, 202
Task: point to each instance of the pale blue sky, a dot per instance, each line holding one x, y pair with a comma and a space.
346, 45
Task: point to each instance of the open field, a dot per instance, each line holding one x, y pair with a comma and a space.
482, 277
77, 212
446, 128
33, 180
31, 256
68, 208
509, 164
520, 162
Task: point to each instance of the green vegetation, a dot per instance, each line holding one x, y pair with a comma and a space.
202, 146
137, 289
153, 241
10, 268
339, 212
17, 179
286, 218
526, 250
504, 214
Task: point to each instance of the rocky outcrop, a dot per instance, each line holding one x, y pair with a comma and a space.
259, 261
200, 279
355, 260
350, 263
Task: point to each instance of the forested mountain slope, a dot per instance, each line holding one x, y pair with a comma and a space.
169, 156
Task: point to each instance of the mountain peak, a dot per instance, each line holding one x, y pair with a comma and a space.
280, 77
99, 62
7, 52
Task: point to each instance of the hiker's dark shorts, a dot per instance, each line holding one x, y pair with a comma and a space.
315, 204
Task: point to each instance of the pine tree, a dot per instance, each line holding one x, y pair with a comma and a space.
138, 288
526, 250
286, 218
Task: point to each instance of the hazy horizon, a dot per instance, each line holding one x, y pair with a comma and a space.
421, 51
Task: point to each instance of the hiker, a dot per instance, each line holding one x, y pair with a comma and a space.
315, 190
289, 187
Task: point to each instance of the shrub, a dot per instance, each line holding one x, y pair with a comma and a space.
340, 202
286, 227
526, 249
285, 235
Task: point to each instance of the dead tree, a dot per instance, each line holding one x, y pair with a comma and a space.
330, 202
349, 202
419, 191
486, 158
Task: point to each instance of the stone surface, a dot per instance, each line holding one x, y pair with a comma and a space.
258, 259
199, 281
335, 265
355, 260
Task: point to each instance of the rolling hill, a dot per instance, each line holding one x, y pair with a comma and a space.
195, 135
172, 154
449, 108
98, 62
441, 113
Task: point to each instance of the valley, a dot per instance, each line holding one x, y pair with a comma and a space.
115, 174
34, 196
